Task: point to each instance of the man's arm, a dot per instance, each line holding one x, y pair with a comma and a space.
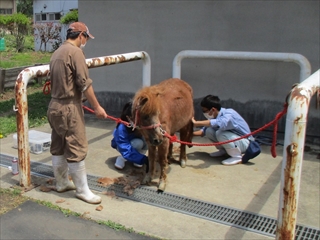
98, 110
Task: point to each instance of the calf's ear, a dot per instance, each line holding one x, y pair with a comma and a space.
142, 101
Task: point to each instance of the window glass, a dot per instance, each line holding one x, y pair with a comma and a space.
5, 11
43, 17
51, 16
37, 17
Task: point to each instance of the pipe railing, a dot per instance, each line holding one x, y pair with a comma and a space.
305, 67
295, 132
21, 104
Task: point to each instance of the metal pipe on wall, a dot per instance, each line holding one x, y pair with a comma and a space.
21, 101
305, 67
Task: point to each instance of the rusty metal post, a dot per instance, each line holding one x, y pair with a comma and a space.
21, 104
126, 57
296, 122
21, 108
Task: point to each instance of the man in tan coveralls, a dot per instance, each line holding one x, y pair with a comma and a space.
69, 80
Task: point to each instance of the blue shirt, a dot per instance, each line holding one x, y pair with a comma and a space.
121, 141
229, 120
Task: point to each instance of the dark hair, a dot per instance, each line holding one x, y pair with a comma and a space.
126, 111
211, 101
72, 35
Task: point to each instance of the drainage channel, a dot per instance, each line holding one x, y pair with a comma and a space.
213, 212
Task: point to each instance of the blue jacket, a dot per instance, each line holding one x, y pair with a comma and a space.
121, 142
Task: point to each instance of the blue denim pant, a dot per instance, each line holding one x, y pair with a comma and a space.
140, 145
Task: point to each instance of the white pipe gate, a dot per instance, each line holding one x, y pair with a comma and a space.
296, 122
299, 101
295, 132
305, 68
21, 105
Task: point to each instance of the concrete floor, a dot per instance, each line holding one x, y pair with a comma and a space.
253, 187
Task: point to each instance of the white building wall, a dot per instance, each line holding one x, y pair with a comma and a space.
48, 12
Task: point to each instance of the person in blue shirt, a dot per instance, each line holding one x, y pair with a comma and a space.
223, 124
130, 144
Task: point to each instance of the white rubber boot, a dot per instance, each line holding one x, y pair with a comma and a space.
235, 158
79, 177
219, 153
60, 171
120, 162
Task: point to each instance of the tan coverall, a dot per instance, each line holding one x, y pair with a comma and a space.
69, 77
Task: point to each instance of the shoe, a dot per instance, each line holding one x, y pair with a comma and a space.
219, 153
120, 163
60, 172
79, 177
231, 161
235, 157
137, 165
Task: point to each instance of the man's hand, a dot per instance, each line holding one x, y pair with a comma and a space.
100, 112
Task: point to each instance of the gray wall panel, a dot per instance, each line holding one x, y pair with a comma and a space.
164, 28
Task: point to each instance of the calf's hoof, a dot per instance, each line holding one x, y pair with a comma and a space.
162, 186
146, 180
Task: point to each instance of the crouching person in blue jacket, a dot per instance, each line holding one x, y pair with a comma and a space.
130, 144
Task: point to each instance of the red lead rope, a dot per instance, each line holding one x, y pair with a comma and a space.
46, 90
117, 120
273, 122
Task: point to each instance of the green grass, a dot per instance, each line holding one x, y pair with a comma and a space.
10, 58
23, 59
37, 113
37, 102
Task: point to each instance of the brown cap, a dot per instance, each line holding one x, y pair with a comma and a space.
79, 27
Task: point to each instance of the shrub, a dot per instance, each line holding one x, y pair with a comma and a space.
70, 17
18, 25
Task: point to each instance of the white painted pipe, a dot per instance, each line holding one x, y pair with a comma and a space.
305, 67
126, 57
296, 123
21, 101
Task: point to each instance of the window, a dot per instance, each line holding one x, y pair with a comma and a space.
5, 10
57, 16
47, 17
51, 16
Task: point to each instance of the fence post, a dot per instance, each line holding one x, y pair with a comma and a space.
2, 78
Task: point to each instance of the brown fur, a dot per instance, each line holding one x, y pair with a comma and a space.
169, 103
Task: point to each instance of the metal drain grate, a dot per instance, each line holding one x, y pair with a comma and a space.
213, 212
